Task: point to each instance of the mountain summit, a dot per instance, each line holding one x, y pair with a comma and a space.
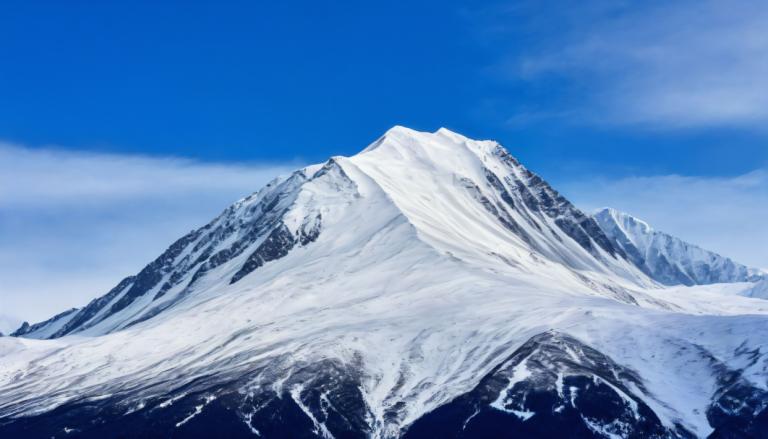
429, 286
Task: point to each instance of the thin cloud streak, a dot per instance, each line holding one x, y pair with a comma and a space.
35, 177
660, 65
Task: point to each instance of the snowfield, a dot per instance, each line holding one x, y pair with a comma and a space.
417, 268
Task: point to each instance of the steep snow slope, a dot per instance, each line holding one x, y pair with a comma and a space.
667, 259
430, 280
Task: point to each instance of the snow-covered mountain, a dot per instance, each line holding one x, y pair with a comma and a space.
429, 286
668, 259
492, 203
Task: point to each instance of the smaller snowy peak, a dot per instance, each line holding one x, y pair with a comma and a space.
667, 259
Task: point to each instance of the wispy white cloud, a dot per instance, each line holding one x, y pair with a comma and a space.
688, 63
56, 177
72, 224
723, 214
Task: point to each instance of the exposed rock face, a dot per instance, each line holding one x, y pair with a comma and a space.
538, 196
551, 385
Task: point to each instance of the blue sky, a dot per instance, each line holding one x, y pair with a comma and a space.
124, 124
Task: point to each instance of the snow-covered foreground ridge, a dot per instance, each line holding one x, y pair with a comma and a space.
429, 286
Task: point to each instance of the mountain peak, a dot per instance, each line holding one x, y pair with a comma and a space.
401, 137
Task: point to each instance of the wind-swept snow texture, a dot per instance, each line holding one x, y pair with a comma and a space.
429, 286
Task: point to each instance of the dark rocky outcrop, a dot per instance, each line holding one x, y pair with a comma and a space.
552, 387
